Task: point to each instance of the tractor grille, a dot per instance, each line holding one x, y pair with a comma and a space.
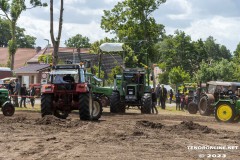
130, 90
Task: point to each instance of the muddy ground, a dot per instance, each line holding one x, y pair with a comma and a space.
27, 136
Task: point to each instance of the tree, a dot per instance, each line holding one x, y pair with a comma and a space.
78, 41
46, 58
12, 11
23, 41
217, 70
177, 75
132, 19
56, 41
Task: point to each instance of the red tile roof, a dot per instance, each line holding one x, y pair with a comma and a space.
21, 57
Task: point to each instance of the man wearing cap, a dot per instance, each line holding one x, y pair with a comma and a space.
163, 96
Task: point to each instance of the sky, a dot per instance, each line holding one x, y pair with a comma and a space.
197, 18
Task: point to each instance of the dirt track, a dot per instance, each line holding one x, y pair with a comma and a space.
131, 136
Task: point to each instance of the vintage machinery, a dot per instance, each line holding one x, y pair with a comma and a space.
227, 110
7, 107
215, 90
130, 89
101, 93
60, 97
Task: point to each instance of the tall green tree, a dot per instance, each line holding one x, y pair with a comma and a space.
12, 11
177, 75
78, 41
23, 41
217, 70
56, 41
216, 51
132, 19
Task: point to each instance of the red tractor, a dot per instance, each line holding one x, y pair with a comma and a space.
66, 90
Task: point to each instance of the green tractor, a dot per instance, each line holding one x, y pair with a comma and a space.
130, 89
5, 103
227, 110
99, 91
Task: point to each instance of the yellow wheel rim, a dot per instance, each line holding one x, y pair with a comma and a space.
224, 112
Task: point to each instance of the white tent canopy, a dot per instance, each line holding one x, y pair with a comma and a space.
111, 47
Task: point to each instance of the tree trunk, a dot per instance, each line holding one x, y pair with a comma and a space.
12, 46
57, 41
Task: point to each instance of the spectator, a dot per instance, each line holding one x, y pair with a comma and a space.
171, 96
23, 93
16, 92
178, 100
32, 93
10, 88
158, 88
182, 101
163, 96
154, 101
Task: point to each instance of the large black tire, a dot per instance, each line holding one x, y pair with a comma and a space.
61, 114
84, 113
146, 103
116, 106
46, 104
225, 112
192, 108
8, 109
96, 112
203, 106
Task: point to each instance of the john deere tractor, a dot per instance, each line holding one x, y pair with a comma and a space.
7, 107
130, 89
227, 110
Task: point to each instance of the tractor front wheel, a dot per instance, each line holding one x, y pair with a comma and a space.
116, 106
46, 104
192, 108
8, 109
203, 106
225, 112
146, 103
96, 109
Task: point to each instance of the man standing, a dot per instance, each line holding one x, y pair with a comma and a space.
32, 94
158, 88
10, 88
23, 93
163, 96
16, 92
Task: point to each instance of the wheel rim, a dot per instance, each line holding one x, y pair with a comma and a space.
9, 111
96, 109
224, 112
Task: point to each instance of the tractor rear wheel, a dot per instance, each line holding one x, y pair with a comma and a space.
8, 109
192, 108
116, 106
46, 104
146, 103
225, 112
84, 113
203, 106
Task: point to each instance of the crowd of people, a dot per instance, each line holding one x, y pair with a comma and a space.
16, 90
160, 96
